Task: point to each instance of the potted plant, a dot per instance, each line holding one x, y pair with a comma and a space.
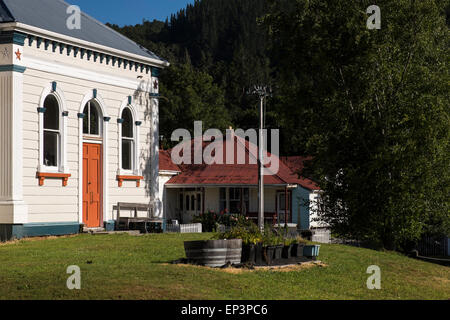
269, 254
269, 242
250, 241
287, 249
248, 253
311, 251
250, 235
297, 247
259, 253
278, 252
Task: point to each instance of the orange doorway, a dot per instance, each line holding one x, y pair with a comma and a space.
92, 185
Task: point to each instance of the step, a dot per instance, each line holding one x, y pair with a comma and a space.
93, 230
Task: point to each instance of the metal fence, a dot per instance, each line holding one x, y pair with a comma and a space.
432, 247
184, 228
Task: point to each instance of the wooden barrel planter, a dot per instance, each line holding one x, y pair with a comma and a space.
214, 253
234, 251
210, 253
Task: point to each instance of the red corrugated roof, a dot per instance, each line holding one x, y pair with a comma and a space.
165, 162
297, 164
233, 174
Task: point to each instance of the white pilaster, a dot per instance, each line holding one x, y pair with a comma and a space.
154, 187
13, 209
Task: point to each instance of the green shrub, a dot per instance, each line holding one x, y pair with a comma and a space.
250, 234
210, 220
243, 229
272, 238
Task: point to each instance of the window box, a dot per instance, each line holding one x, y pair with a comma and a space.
138, 179
45, 175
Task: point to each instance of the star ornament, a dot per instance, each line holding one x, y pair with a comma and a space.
5, 53
18, 55
155, 85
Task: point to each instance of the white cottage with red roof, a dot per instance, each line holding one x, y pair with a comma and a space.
191, 189
78, 121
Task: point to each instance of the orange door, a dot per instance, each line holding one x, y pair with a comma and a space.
92, 185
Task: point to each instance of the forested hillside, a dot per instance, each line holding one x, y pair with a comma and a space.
218, 40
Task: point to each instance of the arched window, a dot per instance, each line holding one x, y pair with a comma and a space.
128, 140
52, 132
91, 120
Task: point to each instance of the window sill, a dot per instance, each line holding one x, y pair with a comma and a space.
47, 175
122, 178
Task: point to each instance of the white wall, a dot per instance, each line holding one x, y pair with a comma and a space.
52, 202
212, 196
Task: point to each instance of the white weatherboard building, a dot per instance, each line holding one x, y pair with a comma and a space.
78, 121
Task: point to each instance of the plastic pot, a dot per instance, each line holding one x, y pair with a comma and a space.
269, 253
278, 252
259, 254
248, 253
287, 252
311, 251
297, 250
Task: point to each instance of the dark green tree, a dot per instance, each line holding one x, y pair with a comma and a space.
190, 95
372, 108
221, 38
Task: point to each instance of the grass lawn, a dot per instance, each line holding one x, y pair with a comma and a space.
127, 267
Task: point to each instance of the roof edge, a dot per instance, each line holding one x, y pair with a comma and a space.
8, 12
216, 185
21, 27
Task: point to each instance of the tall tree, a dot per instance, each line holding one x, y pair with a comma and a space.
189, 95
375, 108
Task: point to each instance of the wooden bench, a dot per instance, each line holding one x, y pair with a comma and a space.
135, 223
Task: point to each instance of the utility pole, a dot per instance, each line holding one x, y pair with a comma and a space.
263, 92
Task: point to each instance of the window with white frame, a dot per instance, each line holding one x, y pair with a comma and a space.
128, 140
52, 132
235, 199
239, 200
230, 199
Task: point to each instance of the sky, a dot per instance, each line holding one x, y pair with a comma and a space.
129, 12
